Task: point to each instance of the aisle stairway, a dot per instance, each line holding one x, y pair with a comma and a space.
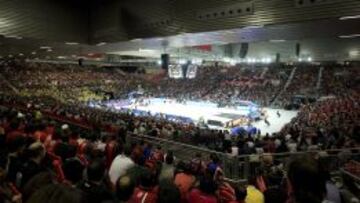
12, 87
318, 83
263, 73
288, 82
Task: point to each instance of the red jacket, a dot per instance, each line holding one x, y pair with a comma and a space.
142, 195
196, 196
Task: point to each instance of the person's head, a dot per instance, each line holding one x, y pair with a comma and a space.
56, 193
125, 186
240, 193
96, 170
127, 151
73, 170
147, 179
207, 185
307, 181
35, 183
37, 151
169, 159
65, 151
168, 192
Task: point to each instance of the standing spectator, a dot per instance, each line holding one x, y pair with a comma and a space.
120, 165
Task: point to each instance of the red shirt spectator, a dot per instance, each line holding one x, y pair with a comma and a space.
196, 196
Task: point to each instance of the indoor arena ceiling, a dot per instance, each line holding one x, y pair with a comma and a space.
103, 26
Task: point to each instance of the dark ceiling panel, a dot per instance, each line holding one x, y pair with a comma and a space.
44, 19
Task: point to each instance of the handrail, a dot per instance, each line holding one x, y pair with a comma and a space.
243, 156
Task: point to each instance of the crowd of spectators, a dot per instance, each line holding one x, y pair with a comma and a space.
76, 164
44, 160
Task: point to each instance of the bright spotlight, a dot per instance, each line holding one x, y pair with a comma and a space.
309, 59
182, 61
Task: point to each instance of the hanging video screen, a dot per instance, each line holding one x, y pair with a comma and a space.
175, 71
191, 71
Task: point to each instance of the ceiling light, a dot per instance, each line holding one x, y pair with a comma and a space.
146, 50
71, 43
101, 44
21, 54
353, 53
45, 47
61, 57
277, 40
309, 59
136, 40
253, 26
349, 36
49, 50
33, 53
13, 36
349, 17
182, 61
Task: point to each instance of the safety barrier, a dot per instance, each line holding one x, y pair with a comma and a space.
240, 168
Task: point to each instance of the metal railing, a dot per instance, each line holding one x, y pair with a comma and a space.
240, 168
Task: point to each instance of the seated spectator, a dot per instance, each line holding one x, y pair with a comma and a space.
147, 190
37, 182
73, 171
57, 193
184, 179
167, 169
34, 165
125, 188
8, 192
168, 192
306, 180
254, 195
16, 148
205, 193
94, 187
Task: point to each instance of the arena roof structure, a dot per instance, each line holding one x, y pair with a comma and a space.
66, 28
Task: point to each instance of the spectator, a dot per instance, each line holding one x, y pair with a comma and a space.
167, 169
184, 179
205, 193
253, 194
94, 187
307, 181
34, 165
125, 188
168, 192
16, 148
147, 190
73, 171
120, 165
57, 193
